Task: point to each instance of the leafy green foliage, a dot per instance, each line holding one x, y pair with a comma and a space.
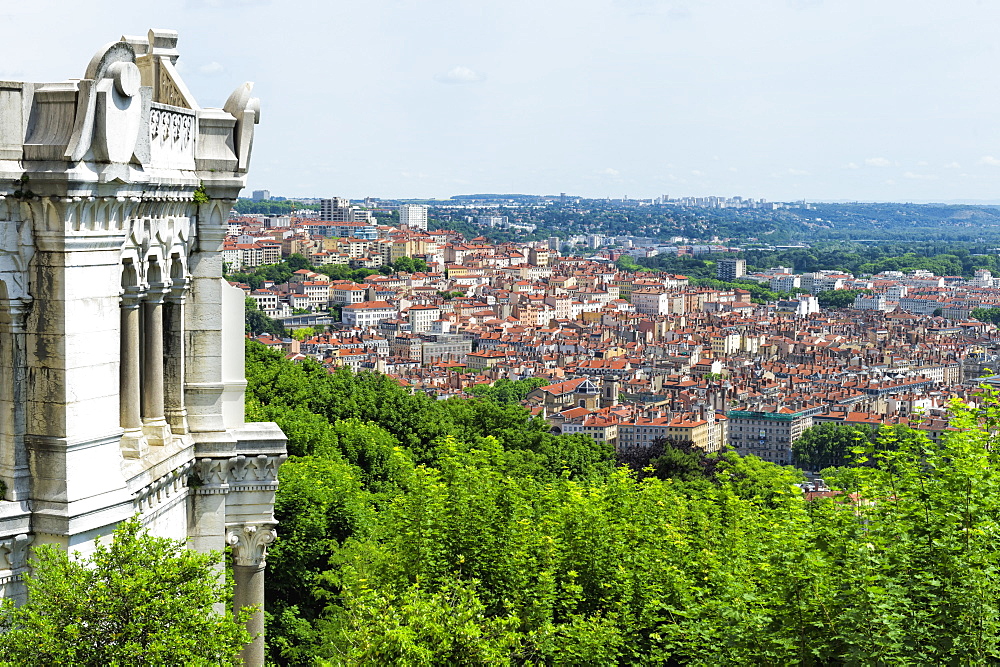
303, 333
257, 322
282, 272
409, 265
839, 298
461, 532
278, 388
834, 445
830, 445
249, 206
200, 195
758, 293
137, 600
507, 391
991, 315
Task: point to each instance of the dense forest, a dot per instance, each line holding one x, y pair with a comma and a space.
424, 532
940, 258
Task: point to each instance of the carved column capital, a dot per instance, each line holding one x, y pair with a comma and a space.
131, 297
157, 292
178, 290
250, 542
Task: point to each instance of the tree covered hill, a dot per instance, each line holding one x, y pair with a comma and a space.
857, 221
460, 532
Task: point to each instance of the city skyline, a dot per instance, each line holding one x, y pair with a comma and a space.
781, 100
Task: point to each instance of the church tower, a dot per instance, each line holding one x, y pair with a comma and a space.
121, 346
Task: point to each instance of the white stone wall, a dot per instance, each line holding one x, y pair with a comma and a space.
121, 347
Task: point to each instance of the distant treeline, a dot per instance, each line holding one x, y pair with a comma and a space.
784, 226
251, 207
941, 258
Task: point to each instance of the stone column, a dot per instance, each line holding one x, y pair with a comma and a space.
173, 370
153, 422
207, 522
14, 459
249, 543
204, 387
133, 443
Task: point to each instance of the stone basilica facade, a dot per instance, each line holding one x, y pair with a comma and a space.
121, 347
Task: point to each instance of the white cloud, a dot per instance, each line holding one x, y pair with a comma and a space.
460, 74
922, 163
878, 162
889, 182
697, 172
852, 165
920, 177
608, 172
211, 68
989, 160
797, 172
733, 169
953, 165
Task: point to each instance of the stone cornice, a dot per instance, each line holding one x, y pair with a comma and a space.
236, 473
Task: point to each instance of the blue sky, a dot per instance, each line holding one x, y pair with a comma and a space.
782, 99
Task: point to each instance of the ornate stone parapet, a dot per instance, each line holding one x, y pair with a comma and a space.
171, 136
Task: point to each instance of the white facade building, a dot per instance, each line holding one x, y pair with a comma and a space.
367, 314
413, 216
121, 344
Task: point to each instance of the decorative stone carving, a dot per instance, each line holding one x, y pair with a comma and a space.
250, 542
169, 92
259, 468
14, 551
246, 110
166, 487
210, 476
17, 248
238, 473
171, 136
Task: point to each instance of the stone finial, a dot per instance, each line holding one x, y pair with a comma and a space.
163, 42
246, 110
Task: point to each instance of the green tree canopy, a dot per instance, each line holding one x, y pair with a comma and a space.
409, 265
830, 444
991, 315
257, 322
138, 600
839, 298
507, 391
